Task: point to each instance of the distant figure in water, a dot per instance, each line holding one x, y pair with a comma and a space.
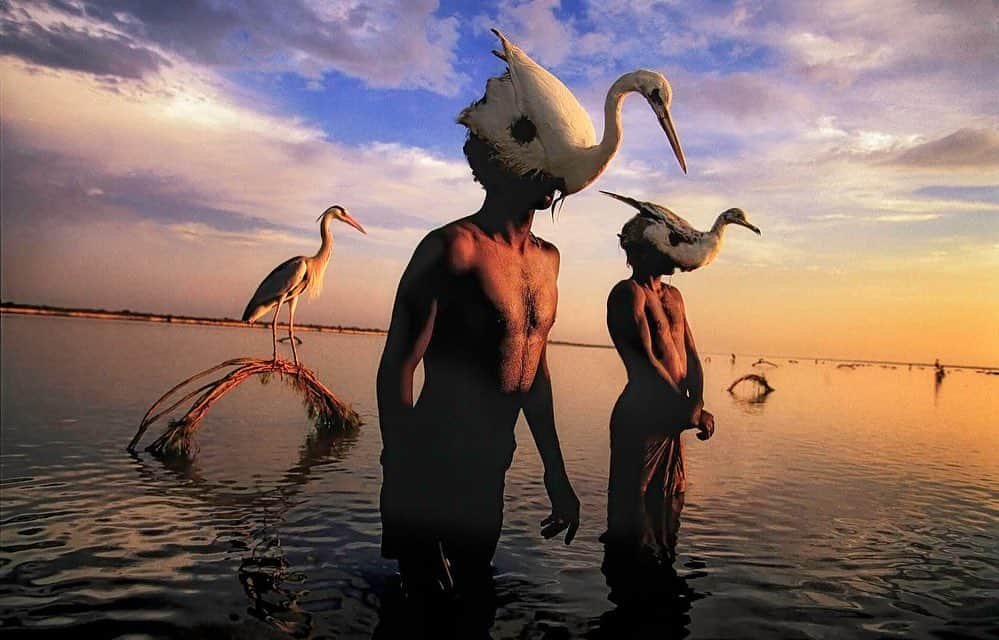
663, 397
475, 303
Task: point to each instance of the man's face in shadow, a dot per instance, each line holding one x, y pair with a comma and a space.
649, 260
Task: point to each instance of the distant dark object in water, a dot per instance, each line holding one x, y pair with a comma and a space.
939, 372
846, 366
707, 358
992, 372
761, 382
764, 363
287, 339
792, 362
329, 413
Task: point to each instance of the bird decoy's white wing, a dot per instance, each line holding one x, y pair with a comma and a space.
286, 280
536, 124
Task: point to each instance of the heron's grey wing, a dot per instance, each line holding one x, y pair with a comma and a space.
283, 280
677, 225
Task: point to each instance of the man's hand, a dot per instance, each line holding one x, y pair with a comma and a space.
565, 510
705, 425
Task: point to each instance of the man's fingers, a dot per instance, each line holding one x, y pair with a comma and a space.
550, 519
571, 533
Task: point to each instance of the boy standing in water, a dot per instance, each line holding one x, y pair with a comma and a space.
475, 304
663, 397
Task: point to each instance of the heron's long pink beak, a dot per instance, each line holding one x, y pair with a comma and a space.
349, 219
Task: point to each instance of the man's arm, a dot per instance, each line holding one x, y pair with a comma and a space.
629, 329
540, 414
408, 335
703, 420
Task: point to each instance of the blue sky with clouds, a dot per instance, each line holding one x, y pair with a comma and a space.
165, 155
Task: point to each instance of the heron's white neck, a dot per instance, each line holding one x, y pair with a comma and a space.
326, 248
595, 159
318, 262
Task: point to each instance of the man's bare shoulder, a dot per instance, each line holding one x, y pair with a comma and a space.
625, 292
459, 240
548, 250
673, 296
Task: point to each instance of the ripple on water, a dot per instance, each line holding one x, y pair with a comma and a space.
806, 516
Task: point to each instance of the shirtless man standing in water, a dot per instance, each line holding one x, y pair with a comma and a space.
663, 397
476, 304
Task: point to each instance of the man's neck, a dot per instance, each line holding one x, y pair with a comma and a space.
648, 279
506, 219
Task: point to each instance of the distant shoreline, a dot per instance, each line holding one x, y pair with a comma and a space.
142, 316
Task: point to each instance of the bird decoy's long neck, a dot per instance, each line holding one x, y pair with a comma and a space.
594, 160
611, 139
718, 228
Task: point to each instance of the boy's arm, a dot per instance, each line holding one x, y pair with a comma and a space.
408, 335
703, 420
629, 330
540, 414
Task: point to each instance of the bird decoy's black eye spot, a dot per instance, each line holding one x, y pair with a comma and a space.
523, 130
674, 238
655, 96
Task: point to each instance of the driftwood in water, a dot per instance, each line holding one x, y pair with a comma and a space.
764, 363
761, 381
846, 366
178, 439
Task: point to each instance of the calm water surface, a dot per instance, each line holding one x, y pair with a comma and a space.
851, 503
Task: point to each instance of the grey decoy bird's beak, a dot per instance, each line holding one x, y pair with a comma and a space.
751, 227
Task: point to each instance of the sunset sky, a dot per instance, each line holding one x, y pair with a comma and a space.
165, 156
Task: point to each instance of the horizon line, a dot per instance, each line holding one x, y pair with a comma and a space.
19, 308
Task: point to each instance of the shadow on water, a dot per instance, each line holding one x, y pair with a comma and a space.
470, 615
272, 589
650, 602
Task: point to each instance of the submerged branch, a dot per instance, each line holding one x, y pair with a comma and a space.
761, 381
325, 408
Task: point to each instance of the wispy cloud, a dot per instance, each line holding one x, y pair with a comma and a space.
971, 148
398, 44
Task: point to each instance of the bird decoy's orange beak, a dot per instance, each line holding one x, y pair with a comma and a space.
349, 219
666, 122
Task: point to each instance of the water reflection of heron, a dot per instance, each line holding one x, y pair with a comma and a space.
264, 572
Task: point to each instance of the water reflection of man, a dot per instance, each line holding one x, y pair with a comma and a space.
476, 304
662, 398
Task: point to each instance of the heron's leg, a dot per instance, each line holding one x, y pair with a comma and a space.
277, 310
291, 327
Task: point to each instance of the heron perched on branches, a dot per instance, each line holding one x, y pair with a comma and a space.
535, 124
292, 278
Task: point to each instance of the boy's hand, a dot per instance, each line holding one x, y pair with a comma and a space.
705, 425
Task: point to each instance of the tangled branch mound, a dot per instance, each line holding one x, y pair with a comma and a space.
326, 409
762, 385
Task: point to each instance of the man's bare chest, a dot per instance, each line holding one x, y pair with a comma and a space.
519, 297
666, 324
